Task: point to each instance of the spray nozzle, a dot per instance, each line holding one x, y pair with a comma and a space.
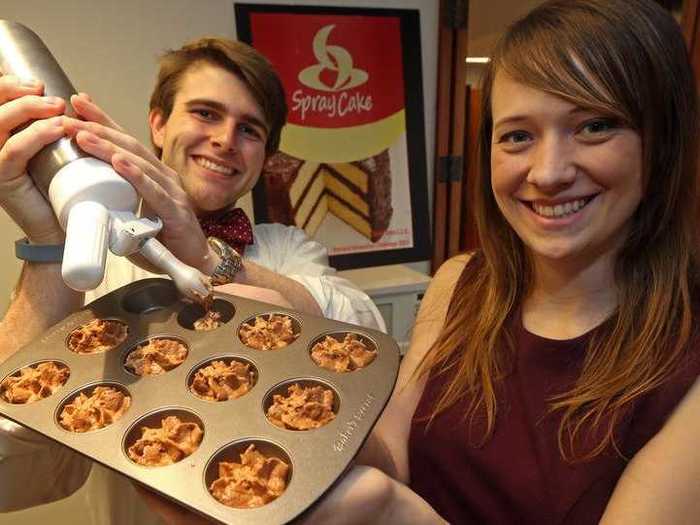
96, 207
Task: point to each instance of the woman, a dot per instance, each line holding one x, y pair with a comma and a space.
542, 364
569, 338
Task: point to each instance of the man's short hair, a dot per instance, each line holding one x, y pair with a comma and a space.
251, 67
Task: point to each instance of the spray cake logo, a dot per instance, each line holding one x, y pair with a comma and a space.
334, 72
344, 82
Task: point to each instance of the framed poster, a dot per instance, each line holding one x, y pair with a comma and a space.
351, 170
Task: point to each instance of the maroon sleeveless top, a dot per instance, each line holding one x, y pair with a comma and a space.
518, 475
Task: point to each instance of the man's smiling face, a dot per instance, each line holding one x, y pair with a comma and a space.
214, 138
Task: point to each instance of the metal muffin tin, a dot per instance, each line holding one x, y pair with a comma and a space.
153, 308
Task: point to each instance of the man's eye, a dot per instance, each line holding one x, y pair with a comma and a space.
205, 114
249, 130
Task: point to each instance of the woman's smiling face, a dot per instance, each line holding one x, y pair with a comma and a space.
566, 178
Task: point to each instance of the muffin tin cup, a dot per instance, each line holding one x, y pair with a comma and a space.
18, 371
110, 348
151, 308
304, 382
145, 341
226, 359
88, 390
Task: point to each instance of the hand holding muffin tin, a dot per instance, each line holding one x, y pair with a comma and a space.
152, 309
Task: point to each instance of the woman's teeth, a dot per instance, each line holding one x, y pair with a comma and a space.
213, 166
559, 210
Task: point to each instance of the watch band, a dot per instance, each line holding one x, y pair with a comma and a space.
46, 253
231, 262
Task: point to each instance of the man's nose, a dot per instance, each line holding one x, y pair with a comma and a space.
224, 136
552, 164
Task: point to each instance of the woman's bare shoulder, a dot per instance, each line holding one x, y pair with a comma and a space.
441, 286
433, 308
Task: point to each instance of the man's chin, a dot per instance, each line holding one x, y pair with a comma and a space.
212, 208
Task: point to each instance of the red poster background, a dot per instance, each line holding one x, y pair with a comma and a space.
374, 43
369, 58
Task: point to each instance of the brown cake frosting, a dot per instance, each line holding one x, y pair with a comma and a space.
342, 356
303, 408
97, 336
220, 381
33, 383
268, 332
211, 320
255, 481
101, 408
168, 444
156, 356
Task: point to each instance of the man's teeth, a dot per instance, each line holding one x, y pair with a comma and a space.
213, 166
560, 210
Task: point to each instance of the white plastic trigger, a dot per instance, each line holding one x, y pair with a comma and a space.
129, 233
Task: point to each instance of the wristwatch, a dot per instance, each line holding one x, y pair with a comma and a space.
231, 262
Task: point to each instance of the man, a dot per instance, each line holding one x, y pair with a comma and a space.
216, 114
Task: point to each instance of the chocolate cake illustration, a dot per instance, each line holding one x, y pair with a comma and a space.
301, 193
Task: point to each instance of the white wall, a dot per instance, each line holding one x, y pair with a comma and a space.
109, 49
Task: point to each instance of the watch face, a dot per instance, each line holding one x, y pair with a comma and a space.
230, 263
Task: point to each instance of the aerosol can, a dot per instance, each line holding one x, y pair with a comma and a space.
94, 205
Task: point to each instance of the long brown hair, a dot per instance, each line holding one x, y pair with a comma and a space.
626, 58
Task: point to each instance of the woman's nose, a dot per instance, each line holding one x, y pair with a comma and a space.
552, 165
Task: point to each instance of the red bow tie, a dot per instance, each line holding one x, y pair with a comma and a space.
232, 227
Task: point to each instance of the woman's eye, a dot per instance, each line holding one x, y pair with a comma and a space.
514, 137
598, 126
